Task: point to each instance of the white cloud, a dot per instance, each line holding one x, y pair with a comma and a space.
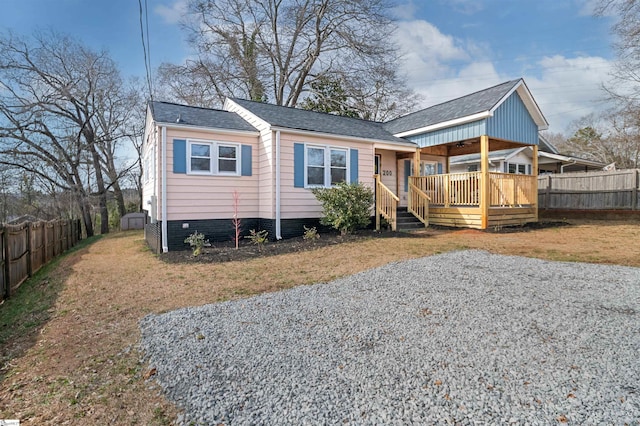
173, 13
567, 89
441, 67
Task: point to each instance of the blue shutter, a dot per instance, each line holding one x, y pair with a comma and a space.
179, 156
439, 168
353, 166
246, 160
298, 165
407, 173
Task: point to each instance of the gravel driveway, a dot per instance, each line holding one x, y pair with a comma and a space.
466, 337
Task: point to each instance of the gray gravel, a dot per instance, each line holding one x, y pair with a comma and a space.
460, 338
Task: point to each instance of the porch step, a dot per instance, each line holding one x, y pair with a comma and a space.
406, 221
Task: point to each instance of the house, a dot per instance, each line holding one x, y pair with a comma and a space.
196, 159
520, 161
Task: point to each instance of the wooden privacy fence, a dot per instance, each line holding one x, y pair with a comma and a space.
610, 190
26, 247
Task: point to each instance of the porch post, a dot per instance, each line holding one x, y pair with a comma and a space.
485, 190
377, 194
416, 163
534, 190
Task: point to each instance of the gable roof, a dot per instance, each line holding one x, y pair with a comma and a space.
300, 119
468, 108
183, 115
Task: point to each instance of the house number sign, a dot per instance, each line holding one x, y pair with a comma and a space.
386, 173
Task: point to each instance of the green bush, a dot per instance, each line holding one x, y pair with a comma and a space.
346, 206
310, 234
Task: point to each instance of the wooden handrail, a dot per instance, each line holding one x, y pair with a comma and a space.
386, 204
418, 204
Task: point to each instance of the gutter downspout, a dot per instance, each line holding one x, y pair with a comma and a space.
278, 225
165, 245
565, 165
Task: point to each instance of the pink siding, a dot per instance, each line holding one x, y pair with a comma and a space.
300, 202
191, 197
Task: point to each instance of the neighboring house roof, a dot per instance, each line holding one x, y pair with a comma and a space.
547, 146
570, 160
500, 155
166, 112
472, 107
300, 119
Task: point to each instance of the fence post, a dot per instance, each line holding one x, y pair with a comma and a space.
7, 269
29, 250
634, 192
547, 197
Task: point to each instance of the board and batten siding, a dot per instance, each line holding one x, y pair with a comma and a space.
194, 197
296, 203
461, 132
511, 121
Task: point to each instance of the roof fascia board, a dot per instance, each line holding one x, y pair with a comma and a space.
393, 147
408, 144
209, 129
445, 124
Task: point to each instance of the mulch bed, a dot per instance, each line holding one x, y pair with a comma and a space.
226, 252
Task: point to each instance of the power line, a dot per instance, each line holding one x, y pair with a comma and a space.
145, 45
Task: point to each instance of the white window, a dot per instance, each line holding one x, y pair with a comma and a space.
515, 168
325, 165
213, 158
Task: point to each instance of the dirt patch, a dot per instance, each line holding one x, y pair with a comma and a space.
82, 365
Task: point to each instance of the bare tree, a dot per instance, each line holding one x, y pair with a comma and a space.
273, 50
62, 109
625, 85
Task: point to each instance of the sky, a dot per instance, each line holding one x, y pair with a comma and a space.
450, 47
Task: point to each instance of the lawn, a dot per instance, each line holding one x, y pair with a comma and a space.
77, 361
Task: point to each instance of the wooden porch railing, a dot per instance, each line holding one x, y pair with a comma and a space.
454, 189
463, 189
386, 204
418, 204
511, 190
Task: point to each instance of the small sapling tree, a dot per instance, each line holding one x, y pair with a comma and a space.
237, 225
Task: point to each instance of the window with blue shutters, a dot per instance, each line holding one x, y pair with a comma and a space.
211, 158
323, 165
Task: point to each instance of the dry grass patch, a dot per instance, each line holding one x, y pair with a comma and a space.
82, 366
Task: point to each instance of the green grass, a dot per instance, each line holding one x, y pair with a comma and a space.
31, 305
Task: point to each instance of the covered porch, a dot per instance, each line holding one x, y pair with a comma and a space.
480, 199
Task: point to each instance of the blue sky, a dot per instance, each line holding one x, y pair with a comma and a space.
451, 47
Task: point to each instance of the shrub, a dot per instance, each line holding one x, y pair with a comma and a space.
346, 206
197, 242
310, 234
258, 238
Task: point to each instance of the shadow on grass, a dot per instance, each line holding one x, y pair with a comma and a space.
31, 307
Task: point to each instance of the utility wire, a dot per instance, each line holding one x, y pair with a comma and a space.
145, 49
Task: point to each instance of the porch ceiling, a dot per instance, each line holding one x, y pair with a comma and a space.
469, 146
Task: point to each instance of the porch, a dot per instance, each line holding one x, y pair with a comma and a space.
482, 199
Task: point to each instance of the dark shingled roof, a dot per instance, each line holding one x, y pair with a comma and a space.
166, 112
300, 119
467, 105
